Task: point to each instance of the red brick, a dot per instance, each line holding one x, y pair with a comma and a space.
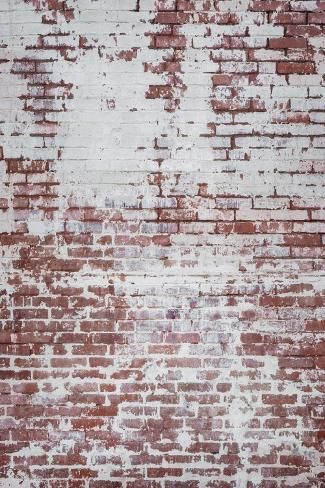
165, 42
289, 18
299, 68
279, 399
269, 5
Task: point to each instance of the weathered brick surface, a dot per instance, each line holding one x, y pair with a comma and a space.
162, 236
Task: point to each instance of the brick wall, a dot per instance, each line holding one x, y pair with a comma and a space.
162, 172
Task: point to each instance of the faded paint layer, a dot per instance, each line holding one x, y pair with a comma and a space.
162, 235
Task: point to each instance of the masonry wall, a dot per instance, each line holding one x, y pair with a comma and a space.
162, 206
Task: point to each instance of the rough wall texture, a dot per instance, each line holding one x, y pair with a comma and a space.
161, 229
